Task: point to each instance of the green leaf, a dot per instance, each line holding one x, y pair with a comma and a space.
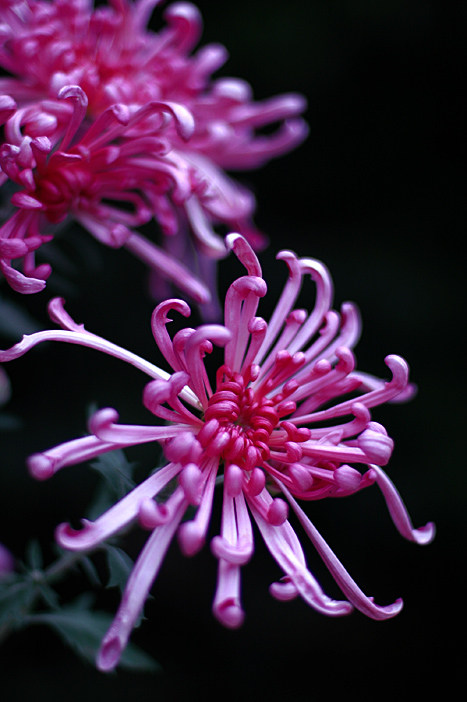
120, 566
84, 630
15, 601
90, 570
34, 555
49, 595
117, 471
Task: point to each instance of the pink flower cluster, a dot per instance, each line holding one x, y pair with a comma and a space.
116, 125
273, 423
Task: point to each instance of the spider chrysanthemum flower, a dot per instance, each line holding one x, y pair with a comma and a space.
273, 423
173, 168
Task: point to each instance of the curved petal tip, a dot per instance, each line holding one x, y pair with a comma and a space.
229, 613
40, 466
109, 654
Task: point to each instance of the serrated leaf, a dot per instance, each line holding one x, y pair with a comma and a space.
134, 658
102, 500
34, 555
120, 566
83, 631
117, 471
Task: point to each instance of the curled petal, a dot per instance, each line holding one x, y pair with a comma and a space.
227, 606
152, 514
341, 576
192, 534
348, 479
184, 449
184, 121
398, 511
191, 480
43, 465
185, 24
288, 554
19, 282
191, 537
376, 444
233, 478
58, 314
284, 590
159, 323
256, 482
277, 512
79, 99
196, 347
245, 254
238, 554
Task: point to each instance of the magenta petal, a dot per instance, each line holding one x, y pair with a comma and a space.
226, 606
137, 588
285, 548
118, 516
348, 586
398, 511
21, 283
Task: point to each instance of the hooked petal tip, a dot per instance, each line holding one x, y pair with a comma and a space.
109, 654
229, 613
40, 466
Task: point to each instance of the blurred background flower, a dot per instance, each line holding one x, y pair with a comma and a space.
116, 125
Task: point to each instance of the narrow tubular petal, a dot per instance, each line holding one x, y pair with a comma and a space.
324, 293
391, 389
286, 302
192, 534
137, 588
82, 339
118, 516
398, 511
79, 100
19, 282
241, 303
226, 606
235, 544
43, 465
159, 323
197, 345
103, 425
290, 558
348, 586
244, 253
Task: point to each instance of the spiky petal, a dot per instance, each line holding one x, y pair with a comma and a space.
259, 430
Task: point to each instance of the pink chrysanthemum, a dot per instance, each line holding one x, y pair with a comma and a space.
258, 431
169, 169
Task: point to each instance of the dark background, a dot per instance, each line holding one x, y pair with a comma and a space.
375, 193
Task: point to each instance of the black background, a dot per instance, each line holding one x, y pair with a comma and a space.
375, 192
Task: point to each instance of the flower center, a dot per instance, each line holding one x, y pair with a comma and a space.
238, 425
